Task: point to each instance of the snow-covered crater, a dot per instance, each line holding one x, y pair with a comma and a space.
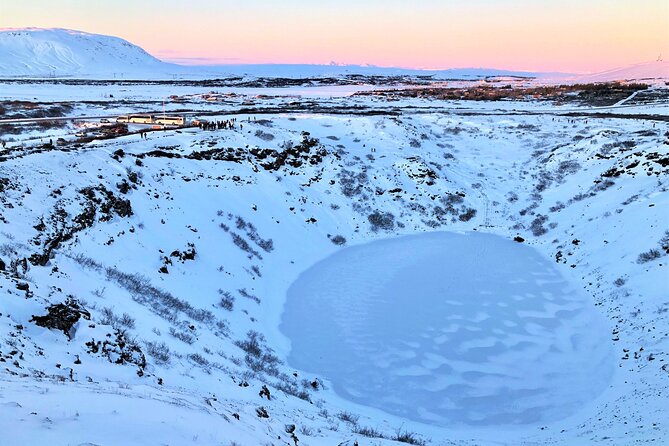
452, 329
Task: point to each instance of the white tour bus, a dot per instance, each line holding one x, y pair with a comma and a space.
136, 119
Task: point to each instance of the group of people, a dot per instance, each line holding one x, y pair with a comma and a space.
228, 124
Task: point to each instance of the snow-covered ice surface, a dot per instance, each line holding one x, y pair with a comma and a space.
451, 329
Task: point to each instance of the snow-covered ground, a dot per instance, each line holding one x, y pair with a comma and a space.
52, 92
173, 256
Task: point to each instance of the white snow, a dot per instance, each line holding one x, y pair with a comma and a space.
524, 168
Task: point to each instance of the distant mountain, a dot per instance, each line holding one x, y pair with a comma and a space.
35, 52
43, 53
332, 70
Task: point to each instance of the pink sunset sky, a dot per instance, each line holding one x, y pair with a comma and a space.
533, 35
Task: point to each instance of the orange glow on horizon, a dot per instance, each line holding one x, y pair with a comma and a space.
525, 35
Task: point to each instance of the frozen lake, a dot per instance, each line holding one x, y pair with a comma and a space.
450, 329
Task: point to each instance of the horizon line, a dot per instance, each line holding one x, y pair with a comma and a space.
204, 62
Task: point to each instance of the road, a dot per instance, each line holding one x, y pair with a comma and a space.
66, 118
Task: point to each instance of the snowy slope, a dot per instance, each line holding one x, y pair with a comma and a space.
196, 276
651, 71
36, 52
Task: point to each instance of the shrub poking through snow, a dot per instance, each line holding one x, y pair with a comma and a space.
110, 318
649, 256
368, 432
664, 242
537, 225
348, 417
381, 220
338, 240
259, 357
244, 293
158, 351
467, 215
352, 183
244, 246
654, 254
160, 302
182, 336
199, 359
290, 385
227, 301
408, 437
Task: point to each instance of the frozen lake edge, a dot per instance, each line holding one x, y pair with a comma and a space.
450, 329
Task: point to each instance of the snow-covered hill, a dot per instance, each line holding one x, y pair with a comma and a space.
142, 280
644, 72
35, 52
